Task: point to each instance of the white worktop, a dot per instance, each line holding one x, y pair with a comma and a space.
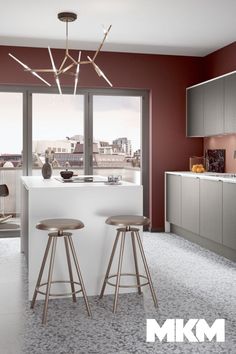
31, 182
224, 177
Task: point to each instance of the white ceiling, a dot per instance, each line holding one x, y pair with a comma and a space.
182, 27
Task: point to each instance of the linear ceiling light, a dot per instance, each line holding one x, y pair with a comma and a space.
68, 59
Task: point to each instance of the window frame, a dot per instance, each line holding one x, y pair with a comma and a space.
88, 93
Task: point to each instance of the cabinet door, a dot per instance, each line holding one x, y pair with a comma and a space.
211, 210
229, 215
230, 104
173, 199
190, 204
195, 126
214, 107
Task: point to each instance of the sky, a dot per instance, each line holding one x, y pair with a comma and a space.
11, 112
55, 117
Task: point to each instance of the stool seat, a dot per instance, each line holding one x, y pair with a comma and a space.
59, 224
128, 220
4, 192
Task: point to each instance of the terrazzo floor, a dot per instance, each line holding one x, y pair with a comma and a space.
190, 282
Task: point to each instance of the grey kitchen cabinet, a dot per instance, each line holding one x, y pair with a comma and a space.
214, 107
195, 117
230, 104
173, 199
229, 215
190, 204
211, 209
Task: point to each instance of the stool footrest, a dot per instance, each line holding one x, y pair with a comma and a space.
127, 286
57, 234
62, 294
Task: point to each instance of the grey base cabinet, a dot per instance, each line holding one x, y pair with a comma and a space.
229, 215
203, 210
173, 199
211, 209
190, 204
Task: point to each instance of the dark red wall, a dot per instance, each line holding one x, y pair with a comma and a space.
165, 76
220, 62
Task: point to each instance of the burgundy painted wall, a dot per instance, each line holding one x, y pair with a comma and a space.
215, 64
165, 76
220, 62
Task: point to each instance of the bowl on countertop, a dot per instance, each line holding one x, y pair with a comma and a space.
66, 174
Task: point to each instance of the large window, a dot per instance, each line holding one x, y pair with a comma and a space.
94, 132
11, 159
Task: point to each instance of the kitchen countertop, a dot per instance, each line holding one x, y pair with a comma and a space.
31, 182
214, 176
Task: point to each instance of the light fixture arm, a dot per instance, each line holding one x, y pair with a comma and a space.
99, 71
101, 45
27, 68
55, 71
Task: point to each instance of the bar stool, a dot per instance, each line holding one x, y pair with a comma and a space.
125, 223
57, 227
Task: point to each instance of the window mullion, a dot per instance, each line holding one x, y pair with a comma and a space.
88, 134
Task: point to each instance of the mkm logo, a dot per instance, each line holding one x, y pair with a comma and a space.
175, 330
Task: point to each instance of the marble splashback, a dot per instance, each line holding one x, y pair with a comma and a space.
227, 142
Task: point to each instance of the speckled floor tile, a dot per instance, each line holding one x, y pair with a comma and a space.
190, 282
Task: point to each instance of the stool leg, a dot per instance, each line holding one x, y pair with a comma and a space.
146, 269
50, 271
119, 271
79, 275
41, 272
136, 263
70, 269
109, 265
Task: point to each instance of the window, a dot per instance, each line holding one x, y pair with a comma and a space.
11, 159
117, 126
58, 121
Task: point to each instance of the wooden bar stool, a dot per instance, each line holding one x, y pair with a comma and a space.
57, 227
126, 223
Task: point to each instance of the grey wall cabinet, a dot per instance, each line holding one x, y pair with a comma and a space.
214, 107
211, 209
195, 117
229, 215
211, 107
190, 204
173, 199
230, 104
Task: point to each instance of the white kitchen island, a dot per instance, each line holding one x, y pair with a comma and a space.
90, 202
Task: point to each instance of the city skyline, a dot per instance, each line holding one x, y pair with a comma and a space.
114, 117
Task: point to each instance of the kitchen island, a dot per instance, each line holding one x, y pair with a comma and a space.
202, 208
90, 202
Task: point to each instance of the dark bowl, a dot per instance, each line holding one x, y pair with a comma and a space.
66, 174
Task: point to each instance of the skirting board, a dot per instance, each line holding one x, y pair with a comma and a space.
158, 229
206, 243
